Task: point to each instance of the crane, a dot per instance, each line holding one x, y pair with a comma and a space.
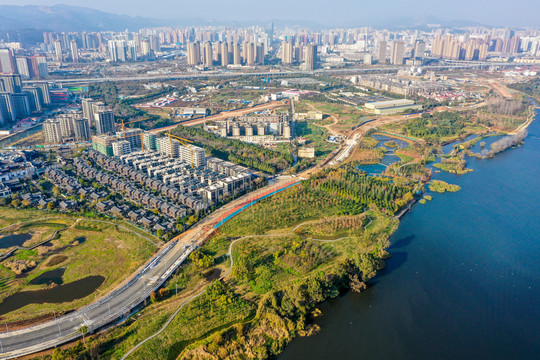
130, 122
187, 143
140, 134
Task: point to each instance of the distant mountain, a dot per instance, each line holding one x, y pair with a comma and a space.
67, 18
59, 18
419, 22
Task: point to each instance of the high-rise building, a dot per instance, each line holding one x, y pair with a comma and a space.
45, 93
39, 67
88, 111
208, 56
7, 62
34, 97
103, 143
121, 51
419, 49
81, 128
287, 53
398, 50
382, 52
154, 43
21, 104
8, 112
150, 141
437, 46
259, 54
58, 55
132, 50
113, 55
145, 47
121, 147
237, 59
168, 146
66, 125
193, 155
133, 136
194, 53
23, 67
74, 51
310, 62
250, 54
11, 83
224, 54
104, 120
53, 132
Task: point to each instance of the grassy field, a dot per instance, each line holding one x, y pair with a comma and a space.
84, 249
255, 311
316, 136
348, 116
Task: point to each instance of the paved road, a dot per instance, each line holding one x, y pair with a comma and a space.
184, 76
120, 302
108, 309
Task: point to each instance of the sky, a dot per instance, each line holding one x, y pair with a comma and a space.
329, 12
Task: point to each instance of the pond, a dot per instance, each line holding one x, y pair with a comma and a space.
377, 169
383, 139
49, 277
64, 293
14, 240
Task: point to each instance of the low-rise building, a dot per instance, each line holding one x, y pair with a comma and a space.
391, 106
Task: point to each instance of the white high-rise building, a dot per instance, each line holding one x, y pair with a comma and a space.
121, 147
59, 56
53, 132
74, 51
192, 155
398, 50
168, 147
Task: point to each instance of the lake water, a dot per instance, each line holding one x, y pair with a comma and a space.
8, 241
463, 280
77, 289
389, 158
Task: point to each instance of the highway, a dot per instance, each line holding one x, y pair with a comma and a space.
109, 309
222, 75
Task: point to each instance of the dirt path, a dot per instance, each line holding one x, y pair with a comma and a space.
526, 124
500, 89
227, 272
329, 126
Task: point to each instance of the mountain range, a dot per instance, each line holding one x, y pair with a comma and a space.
67, 18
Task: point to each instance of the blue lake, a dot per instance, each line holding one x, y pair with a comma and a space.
464, 278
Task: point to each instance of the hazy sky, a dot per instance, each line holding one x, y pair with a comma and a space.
328, 12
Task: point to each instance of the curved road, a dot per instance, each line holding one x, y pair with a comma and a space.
115, 305
118, 304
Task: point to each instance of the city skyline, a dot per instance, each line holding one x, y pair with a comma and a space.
416, 12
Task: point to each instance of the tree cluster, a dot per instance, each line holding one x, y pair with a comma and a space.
239, 152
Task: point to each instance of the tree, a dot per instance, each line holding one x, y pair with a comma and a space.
159, 233
15, 203
56, 191
50, 205
83, 330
